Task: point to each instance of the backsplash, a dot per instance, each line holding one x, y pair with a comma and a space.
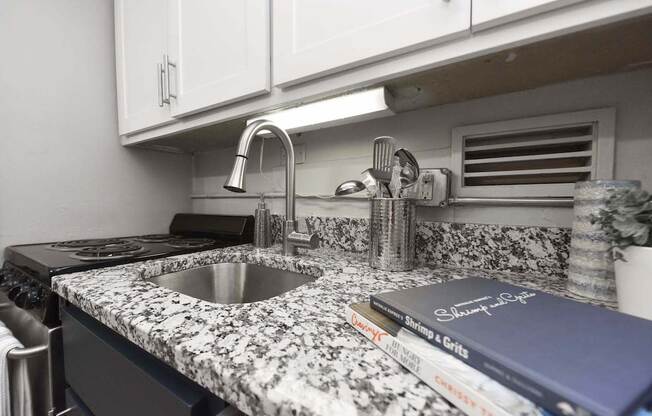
338, 233
540, 250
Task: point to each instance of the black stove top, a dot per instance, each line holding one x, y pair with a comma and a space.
76, 245
189, 243
155, 238
188, 233
122, 250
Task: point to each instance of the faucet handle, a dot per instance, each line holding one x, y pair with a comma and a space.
302, 240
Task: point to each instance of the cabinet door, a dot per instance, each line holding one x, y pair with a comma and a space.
140, 37
318, 37
489, 13
220, 49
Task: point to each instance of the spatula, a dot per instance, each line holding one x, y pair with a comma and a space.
384, 148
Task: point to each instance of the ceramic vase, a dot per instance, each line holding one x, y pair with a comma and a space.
591, 266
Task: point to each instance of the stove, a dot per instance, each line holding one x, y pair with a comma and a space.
155, 238
189, 243
27, 273
76, 245
124, 250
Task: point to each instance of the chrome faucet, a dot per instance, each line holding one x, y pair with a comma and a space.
236, 182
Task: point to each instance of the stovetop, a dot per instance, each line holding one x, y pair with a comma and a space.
43, 261
188, 233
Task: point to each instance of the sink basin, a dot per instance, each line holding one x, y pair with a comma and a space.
232, 282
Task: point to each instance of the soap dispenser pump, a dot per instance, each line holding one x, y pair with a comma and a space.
262, 225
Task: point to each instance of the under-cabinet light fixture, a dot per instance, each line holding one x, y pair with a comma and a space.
343, 109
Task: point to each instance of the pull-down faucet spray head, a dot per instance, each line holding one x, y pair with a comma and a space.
236, 180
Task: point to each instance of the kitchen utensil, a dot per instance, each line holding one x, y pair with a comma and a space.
383, 190
409, 169
407, 158
349, 187
384, 149
395, 182
370, 182
374, 186
409, 177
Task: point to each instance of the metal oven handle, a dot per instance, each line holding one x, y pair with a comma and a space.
36, 365
25, 353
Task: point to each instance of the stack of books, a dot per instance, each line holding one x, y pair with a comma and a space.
491, 348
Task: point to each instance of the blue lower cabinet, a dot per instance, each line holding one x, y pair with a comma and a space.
109, 375
74, 405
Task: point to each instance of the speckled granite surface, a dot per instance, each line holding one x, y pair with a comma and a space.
293, 354
540, 250
348, 234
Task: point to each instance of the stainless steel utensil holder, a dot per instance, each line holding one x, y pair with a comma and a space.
392, 230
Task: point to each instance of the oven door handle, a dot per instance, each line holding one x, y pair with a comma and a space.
24, 353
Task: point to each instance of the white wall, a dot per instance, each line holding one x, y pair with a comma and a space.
340, 153
63, 173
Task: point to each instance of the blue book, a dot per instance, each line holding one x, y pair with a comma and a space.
568, 357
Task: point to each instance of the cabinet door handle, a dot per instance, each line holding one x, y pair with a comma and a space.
159, 79
166, 75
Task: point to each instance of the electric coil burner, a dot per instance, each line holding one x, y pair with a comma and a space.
190, 243
109, 252
155, 238
76, 245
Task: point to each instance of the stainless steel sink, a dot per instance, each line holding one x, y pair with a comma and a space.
232, 282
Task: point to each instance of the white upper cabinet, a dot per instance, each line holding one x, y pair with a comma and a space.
178, 57
319, 37
490, 13
220, 60
220, 52
141, 38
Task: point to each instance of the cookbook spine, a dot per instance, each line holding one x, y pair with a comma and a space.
464, 397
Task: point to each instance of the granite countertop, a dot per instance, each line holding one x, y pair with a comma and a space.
292, 354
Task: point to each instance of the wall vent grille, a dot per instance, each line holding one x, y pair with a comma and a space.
541, 156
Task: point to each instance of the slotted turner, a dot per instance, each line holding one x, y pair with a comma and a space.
384, 148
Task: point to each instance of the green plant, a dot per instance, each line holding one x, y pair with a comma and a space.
627, 219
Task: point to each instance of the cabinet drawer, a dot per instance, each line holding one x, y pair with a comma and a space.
113, 376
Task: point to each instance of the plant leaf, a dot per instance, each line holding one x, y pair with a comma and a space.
627, 226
